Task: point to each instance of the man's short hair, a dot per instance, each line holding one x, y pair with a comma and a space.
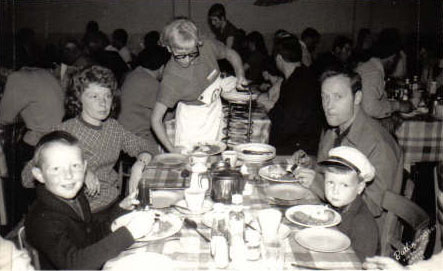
340, 42
388, 43
310, 33
153, 58
120, 35
217, 10
354, 78
151, 39
62, 137
289, 48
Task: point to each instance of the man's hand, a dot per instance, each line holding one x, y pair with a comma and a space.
92, 184
305, 176
405, 106
301, 158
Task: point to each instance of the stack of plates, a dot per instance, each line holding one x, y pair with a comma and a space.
255, 152
235, 96
237, 124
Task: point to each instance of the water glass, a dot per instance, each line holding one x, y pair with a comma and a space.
273, 254
269, 220
144, 193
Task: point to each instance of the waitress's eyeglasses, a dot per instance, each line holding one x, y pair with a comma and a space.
190, 55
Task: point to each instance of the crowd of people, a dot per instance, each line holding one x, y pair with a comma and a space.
94, 99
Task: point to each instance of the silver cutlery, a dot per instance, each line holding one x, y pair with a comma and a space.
193, 225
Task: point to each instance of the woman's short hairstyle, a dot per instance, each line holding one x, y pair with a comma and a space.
81, 80
354, 78
179, 32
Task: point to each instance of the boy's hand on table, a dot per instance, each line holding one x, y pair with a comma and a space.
130, 202
140, 223
92, 184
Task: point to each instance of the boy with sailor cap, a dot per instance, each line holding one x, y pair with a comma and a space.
347, 171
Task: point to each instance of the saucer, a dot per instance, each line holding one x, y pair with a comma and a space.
207, 206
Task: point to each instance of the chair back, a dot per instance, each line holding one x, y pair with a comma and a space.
403, 212
23, 244
438, 186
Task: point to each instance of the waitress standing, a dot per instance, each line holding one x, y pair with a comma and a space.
191, 80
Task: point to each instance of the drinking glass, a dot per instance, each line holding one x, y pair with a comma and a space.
144, 193
273, 254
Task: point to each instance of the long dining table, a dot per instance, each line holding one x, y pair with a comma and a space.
190, 252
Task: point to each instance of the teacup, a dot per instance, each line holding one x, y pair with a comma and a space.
269, 220
195, 198
199, 158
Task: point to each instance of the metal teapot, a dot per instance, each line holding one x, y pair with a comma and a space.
226, 181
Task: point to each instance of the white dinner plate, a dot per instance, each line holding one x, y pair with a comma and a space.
165, 225
276, 173
255, 152
287, 192
164, 199
209, 148
313, 216
207, 206
323, 240
171, 159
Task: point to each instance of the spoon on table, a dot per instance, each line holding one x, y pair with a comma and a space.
193, 225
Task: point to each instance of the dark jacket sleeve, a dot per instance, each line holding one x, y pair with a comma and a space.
50, 236
364, 237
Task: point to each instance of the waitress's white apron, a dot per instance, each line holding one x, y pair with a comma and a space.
200, 123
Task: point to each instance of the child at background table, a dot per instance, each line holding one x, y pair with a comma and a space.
60, 225
347, 171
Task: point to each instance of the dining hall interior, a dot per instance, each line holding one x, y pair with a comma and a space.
229, 134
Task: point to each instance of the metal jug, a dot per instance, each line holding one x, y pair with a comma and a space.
225, 182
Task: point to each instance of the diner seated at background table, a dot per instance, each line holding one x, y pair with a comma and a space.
296, 116
92, 101
257, 57
60, 224
309, 40
351, 126
347, 172
191, 83
338, 56
139, 92
385, 57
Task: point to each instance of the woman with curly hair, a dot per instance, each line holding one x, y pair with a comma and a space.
91, 98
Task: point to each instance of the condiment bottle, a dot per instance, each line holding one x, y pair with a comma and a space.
236, 231
219, 238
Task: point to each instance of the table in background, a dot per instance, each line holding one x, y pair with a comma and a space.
191, 252
421, 141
